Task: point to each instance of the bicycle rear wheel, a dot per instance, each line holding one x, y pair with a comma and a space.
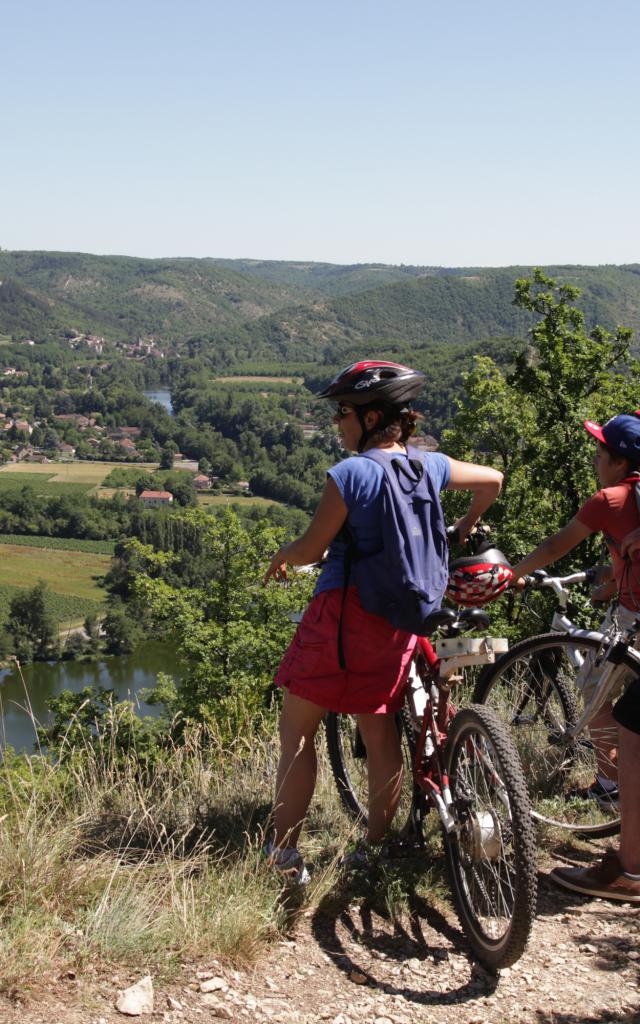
533, 689
491, 853
348, 759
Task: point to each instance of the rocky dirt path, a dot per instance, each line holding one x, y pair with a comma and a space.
346, 964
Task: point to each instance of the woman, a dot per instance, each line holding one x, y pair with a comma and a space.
373, 410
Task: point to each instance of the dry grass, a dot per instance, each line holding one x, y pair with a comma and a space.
99, 865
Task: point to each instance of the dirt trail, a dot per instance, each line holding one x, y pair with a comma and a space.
346, 964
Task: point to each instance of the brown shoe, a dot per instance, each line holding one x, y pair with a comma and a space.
605, 879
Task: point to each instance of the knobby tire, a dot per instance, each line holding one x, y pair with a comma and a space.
532, 688
492, 854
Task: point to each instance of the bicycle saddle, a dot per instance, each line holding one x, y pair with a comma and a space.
442, 617
474, 618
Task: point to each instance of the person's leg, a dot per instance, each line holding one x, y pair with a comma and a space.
629, 800
617, 875
296, 777
384, 769
604, 734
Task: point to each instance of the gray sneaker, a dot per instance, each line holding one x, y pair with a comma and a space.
288, 861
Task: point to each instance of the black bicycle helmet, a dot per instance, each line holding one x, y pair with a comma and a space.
371, 380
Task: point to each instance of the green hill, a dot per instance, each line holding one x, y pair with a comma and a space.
122, 297
277, 310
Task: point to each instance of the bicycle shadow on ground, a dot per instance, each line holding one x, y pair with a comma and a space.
357, 930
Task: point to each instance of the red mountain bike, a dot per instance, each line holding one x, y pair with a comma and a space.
466, 767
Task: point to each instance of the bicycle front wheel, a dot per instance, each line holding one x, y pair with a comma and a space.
348, 759
491, 852
533, 689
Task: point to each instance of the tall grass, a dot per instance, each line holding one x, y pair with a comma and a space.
103, 858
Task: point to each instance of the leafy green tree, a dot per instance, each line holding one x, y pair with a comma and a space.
121, 630
32, 625
529, 422
231, 630
95, 719
167, 455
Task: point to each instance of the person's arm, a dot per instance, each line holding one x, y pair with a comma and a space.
484, 483
553, 548
310, 547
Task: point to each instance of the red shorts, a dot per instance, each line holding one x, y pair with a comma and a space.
377, 658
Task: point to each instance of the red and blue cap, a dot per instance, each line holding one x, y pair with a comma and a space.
621, 434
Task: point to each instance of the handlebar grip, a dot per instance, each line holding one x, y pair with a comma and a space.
453, 535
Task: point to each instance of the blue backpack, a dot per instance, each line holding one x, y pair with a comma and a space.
406, 579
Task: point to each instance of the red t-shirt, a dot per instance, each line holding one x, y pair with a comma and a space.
614, 512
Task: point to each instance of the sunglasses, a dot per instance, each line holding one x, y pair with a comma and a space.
343, 410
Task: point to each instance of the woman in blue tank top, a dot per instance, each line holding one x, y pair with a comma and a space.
372, 411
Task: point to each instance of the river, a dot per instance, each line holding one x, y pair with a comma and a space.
126, 674
162, 396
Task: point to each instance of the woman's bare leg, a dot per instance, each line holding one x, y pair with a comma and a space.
297, 768
385, 771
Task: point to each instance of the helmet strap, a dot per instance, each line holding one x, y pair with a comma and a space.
367, 434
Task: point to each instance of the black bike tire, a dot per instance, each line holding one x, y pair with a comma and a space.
340, 769
490, 677
502, 951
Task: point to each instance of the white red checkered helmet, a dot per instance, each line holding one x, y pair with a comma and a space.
478, 579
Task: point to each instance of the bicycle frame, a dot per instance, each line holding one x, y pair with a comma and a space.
432, 674
609, 643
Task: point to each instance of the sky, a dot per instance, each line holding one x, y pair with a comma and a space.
347, 131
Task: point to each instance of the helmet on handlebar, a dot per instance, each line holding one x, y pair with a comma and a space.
478, 579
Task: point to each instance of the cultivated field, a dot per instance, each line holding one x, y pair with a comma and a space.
75, 573
42, 483
97, 547
63, 477
259, 380
233, 499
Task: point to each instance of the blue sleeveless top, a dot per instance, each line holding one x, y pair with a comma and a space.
359, 482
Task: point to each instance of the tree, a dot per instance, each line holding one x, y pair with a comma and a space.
32, 625
529, 422
121, 630
230, 630
167, 455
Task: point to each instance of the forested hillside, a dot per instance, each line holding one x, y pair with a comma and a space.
235, 310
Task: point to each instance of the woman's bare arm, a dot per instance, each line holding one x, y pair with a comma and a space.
310, 547
484, 483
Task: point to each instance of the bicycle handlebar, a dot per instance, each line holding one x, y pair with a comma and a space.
541, 580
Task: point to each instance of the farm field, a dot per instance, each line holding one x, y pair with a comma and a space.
98, 547
233, 499
109, 492
66, 608
70, 573
61, 477
258, 380
42, 483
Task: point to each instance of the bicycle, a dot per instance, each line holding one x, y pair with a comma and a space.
534, 690
465, 766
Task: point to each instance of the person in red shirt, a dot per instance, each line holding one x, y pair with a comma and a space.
613, 511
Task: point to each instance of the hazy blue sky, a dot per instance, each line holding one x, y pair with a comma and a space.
411, 131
